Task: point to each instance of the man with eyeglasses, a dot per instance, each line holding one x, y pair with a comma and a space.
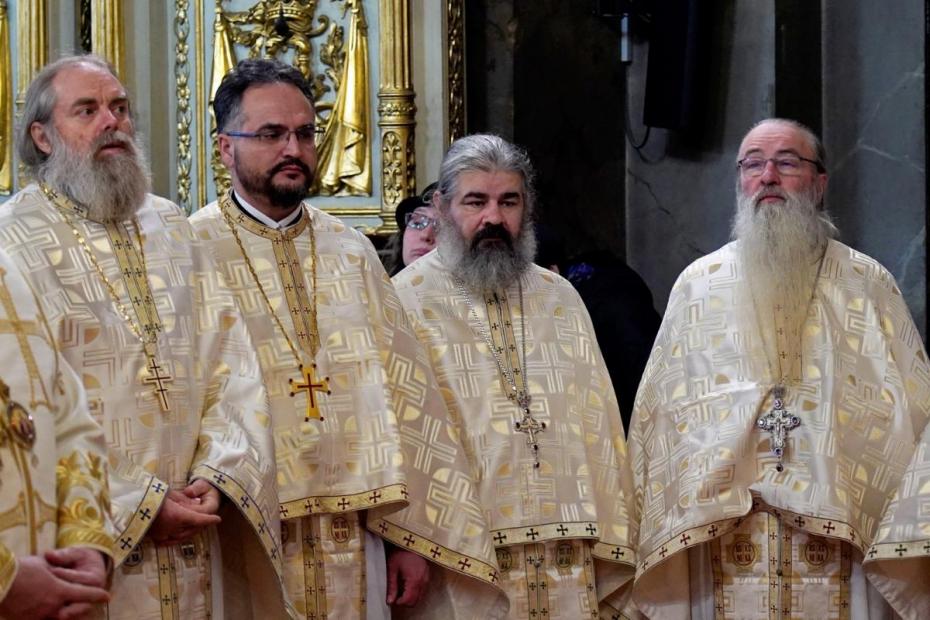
122, 280
416, 231
366, 456
776, 436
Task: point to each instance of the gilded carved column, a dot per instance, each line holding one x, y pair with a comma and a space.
32, 43
32, 28
455, 32
396, 110
6, 103
106, 23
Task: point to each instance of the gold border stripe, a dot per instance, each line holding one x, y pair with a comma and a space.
442, 555
334, 504
140, 522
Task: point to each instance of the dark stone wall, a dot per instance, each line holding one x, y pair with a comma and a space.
552, 82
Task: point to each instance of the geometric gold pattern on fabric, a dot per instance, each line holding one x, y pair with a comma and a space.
700, 465
383, 443
582, 488
52, 455
218, 414
550, 580
325, 566
766, 570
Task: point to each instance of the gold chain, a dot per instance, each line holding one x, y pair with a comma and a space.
224, 204
64, 209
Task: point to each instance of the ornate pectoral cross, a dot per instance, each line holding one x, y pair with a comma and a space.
529, 425
778, 422
157, 380
310, 385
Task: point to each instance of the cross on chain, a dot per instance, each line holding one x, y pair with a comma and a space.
778, 422
529, 425
310, 385
157, 381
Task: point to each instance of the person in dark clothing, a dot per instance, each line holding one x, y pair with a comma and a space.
624, 318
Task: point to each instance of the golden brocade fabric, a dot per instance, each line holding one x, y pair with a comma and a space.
216, 426
383, 443
52, 454
582, 487
701, 464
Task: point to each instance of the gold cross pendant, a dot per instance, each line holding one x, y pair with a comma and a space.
310, 385
157, 380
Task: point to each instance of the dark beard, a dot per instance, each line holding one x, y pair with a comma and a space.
279, 196
488, 266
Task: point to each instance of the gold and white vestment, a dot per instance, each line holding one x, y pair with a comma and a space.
724, 533
189, 405
52, 454
374, 449
561, 529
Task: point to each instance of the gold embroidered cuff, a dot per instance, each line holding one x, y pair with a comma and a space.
614, 553
140, 522
80, 537
543, 533
332, 504
896, 550
448, 558
247, 505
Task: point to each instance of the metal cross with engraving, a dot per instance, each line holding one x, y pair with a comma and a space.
310, 385
157, 380
529, 425
778, 422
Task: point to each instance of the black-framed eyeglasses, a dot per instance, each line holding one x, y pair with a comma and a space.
279, 136
419, 221
788, 165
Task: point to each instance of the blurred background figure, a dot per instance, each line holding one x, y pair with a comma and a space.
621, 308
416, 231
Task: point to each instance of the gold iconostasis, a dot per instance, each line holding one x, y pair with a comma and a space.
387, 78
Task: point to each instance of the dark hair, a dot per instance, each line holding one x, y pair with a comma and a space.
40, 101
251, 72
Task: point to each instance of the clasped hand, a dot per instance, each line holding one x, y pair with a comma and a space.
185, 513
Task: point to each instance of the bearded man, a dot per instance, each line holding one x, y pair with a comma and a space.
366, 453
516, 357
778, 414
136, 307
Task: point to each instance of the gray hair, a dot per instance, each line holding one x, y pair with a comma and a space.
40, 103
820, 153
485, 153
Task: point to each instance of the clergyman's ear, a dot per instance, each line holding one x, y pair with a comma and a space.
40, 137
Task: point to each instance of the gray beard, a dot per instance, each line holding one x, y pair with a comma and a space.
492, 267
111, 189
780, 247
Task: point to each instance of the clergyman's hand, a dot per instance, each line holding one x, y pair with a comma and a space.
37, 593
79, 565
205, 498
407, 578
179, 520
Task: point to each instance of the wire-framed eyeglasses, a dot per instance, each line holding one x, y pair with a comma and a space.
419, 221
279, 136
788, 165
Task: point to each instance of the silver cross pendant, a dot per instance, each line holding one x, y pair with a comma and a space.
778, 422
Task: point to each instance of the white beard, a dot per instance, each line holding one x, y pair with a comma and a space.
779, 254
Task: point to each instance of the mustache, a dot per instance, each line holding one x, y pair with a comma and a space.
112, 138
767, 192
290, 161
492, 231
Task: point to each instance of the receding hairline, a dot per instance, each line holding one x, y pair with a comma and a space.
807, 135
